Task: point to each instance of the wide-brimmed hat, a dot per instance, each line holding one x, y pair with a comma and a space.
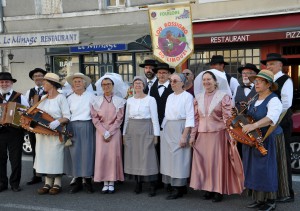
79, 75
249, 66
163, 66
217, 59
268, 75
7, 76
53, 77
274, 57
149, 62
37, 70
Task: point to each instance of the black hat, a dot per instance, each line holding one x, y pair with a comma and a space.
163, 66
248, 66
36, 70
7, 76
149, 62
274, 57
217, 59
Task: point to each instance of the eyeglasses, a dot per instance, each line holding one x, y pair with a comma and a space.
162, 73
38, 76
247, 73
174, 81
108, 84
258, 81
186, 74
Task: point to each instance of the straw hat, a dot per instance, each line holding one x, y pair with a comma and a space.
268, 75
53, 77
79, 75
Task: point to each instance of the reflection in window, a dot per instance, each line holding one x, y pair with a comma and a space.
65, 65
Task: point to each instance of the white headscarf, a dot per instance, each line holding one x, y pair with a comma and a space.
120, 87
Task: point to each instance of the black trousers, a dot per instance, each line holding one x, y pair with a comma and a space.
287, 127
11, 141
32, 140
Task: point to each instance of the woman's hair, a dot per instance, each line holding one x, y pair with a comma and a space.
108, 79
56, 85
213, 76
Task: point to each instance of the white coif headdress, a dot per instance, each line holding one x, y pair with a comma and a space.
120, 87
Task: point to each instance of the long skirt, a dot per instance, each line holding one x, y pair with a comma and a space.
49, 157
108, 158
175, 161
140, 158
80, 156
216, 166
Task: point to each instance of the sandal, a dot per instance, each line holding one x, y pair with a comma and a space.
56, 189
44, 190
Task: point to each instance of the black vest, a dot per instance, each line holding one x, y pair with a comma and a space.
160, 100
287, 119
17, 100
241, 97
33, 92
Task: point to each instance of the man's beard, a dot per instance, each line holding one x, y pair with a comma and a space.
149, 75
5, 90
246, 81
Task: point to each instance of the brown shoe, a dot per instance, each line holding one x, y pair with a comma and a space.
44, 190
55, 190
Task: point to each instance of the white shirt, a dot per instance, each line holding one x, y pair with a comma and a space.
246, 90
162, 89
233, 84
150, 83
36, 89
274, 109
180, 107
23, 99
286, 92
80, 106
144, 108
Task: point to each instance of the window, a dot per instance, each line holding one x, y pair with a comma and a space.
46, 7
116, 3
235, 57
65, 66
124, 67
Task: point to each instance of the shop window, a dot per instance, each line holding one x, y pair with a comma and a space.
124, 67
235, 57
65, 65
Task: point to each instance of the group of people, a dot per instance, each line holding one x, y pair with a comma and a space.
173, 127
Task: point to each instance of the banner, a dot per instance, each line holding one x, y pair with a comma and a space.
171, 32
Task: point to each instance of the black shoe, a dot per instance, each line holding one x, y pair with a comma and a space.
16, 189
268, 206
285, 199
77, 186
256, 204
3, 188
169, 188
34, 180
208, 195
152, 191
111, 189
138, 188
175, 194
88, 186
217, 197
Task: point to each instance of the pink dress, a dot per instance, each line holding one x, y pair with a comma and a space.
216, 165
108, 159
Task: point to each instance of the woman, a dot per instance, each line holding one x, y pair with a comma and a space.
141, 130
79, 157
216, 167
261, 171
107, 115
175, 151
49, 149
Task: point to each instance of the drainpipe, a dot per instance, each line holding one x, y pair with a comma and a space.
1, 31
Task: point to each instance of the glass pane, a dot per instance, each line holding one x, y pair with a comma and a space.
65, 65
90, 58
255, 52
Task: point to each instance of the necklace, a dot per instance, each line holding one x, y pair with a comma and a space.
109, 101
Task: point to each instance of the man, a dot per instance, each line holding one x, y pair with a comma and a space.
160, 90
11, 139
189, 84
245, 91
150, 75
274, 62
217, 62
33, 95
